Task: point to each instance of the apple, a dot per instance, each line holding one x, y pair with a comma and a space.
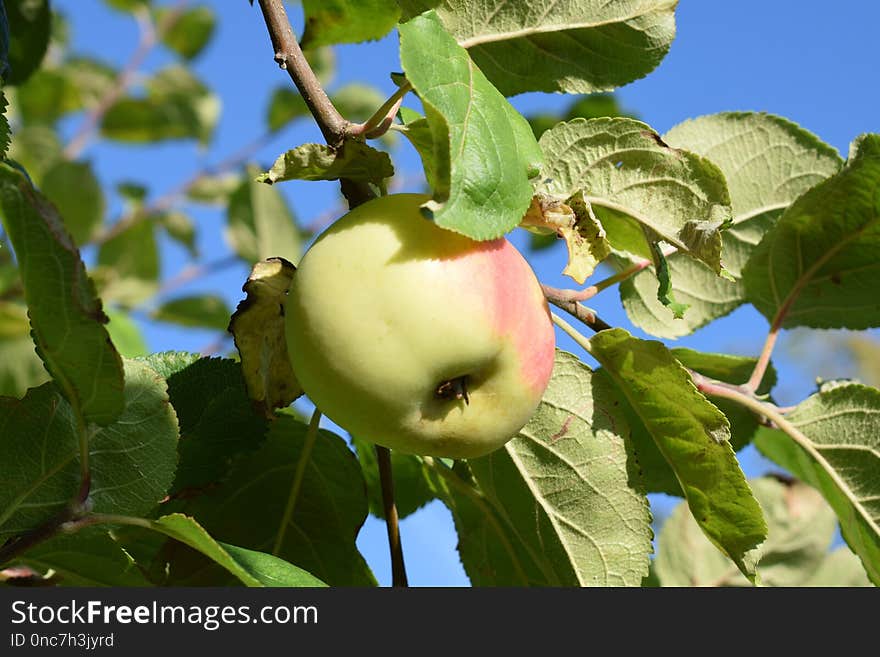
415, 337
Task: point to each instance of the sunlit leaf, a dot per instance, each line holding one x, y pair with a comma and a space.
640, 189
582, 46
840, 456
693, 436
484, 152
831, 279
353, 160
768, 162
568, 490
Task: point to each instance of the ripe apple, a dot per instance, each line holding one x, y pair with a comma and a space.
416, 337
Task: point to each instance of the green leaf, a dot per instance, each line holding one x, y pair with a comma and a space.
91, 557
801, 528
30, 24
20, 367
840, 456
131, 460
36, 148
568, 488
180, 228
285, 105
252, 568
347, 21
127, 5
125, 334
418, 132
353, 160
177, 106
66, 316
579, 47
665, 293
641, 189
213, 190
46, 97
190, 32
248, 508
484, 151
128, 264
90, 79
203, 311
412, 485
830, 279
4, 126
735, 370
260, 224
4, 42
840, 568
768, 162
76, 192
658, 475
693, 436
217, 420
258, 327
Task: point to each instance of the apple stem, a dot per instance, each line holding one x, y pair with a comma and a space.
398, 568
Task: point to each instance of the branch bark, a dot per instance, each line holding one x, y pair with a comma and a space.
290, 57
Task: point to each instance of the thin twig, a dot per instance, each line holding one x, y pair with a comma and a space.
764, 359
19, 545
298, 475
378, 124
560, 299
150, 36
392, 524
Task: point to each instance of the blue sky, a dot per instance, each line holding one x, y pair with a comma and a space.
809, 62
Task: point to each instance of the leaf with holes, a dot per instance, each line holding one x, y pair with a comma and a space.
641, 190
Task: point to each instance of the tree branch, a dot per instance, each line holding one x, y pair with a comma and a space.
398, 568
290, 57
